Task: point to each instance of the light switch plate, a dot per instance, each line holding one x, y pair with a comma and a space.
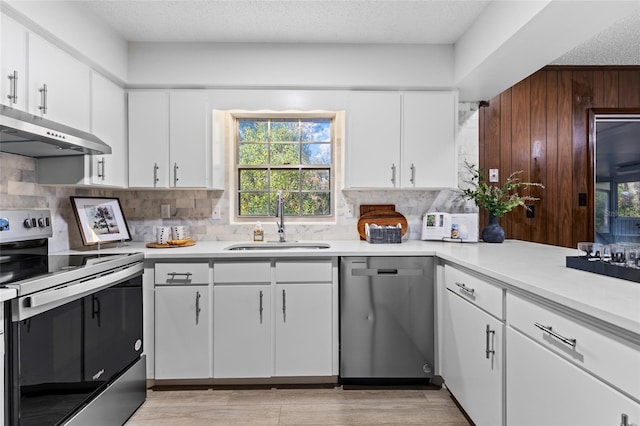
165, 211
494, 175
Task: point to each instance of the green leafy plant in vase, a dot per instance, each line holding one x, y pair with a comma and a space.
496, 199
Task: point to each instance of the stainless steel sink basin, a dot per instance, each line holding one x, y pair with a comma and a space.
275, 245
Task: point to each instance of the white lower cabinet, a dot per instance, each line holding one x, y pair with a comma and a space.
303, 330
242, 331
273, 319
182, 338
183, 332
472, 359
544, 389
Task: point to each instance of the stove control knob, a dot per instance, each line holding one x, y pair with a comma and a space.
41, 223
27, 223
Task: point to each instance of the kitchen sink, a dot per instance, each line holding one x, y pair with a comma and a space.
275, 245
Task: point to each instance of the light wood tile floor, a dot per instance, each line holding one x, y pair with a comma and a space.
286, 406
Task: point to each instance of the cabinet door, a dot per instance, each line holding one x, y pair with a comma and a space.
474, 379
373, 146
242, 331
149, 139
428, 140
13, 48
183, 332
303, 330
188, 151
108, 122
68, 81
544, 389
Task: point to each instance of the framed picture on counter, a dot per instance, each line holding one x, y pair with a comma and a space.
100, 220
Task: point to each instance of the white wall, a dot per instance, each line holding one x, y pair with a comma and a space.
311, 66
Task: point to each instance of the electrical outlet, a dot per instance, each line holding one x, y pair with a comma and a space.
494, 176
165, 211
348, 211
215, 214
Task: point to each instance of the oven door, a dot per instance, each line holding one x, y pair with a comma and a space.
62, 357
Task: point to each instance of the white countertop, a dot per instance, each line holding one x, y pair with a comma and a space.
7, 294
536, 269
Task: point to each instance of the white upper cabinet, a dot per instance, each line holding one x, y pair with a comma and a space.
59, 86
168, 143
13, 63
428, 136
401, 140
373, 144
108, 122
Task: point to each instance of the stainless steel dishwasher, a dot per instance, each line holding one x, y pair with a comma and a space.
386, 319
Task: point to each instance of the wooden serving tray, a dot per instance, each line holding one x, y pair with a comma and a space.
382, 218
156, 245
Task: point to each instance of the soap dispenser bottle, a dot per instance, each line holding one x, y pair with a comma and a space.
258, 233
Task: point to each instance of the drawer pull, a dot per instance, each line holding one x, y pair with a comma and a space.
549, 330
468, 290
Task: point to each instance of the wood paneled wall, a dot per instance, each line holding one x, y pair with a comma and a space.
542, 127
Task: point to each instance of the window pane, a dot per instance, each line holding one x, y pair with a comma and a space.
252, 154
629, 199
282, 153
285, 130
253, 180
253, 130
287, 180
316, 203
319, 153
291, 203
253, 204
315, 180
316, 130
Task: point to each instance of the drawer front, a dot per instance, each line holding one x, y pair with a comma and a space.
609, 357
181, 273
242, 272
477, 291
304, 271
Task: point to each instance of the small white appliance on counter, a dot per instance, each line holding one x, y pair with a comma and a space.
461, 227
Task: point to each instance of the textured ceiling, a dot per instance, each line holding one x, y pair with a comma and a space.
287, 21
334, 21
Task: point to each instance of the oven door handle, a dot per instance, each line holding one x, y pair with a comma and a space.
72, 292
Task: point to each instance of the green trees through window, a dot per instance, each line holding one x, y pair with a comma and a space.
289, 154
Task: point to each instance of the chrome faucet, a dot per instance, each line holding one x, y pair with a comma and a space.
280, 216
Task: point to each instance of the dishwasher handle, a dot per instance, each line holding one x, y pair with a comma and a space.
387, 272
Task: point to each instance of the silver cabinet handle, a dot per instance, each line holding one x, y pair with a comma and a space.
101, 168
197, 307
468, 290
155, 174
549, 330
43, 98
261, 307
284, 306
175, 174
393, 174
13, 87
490, 333
412, 179
185, 280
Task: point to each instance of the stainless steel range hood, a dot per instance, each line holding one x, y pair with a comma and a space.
25, 134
